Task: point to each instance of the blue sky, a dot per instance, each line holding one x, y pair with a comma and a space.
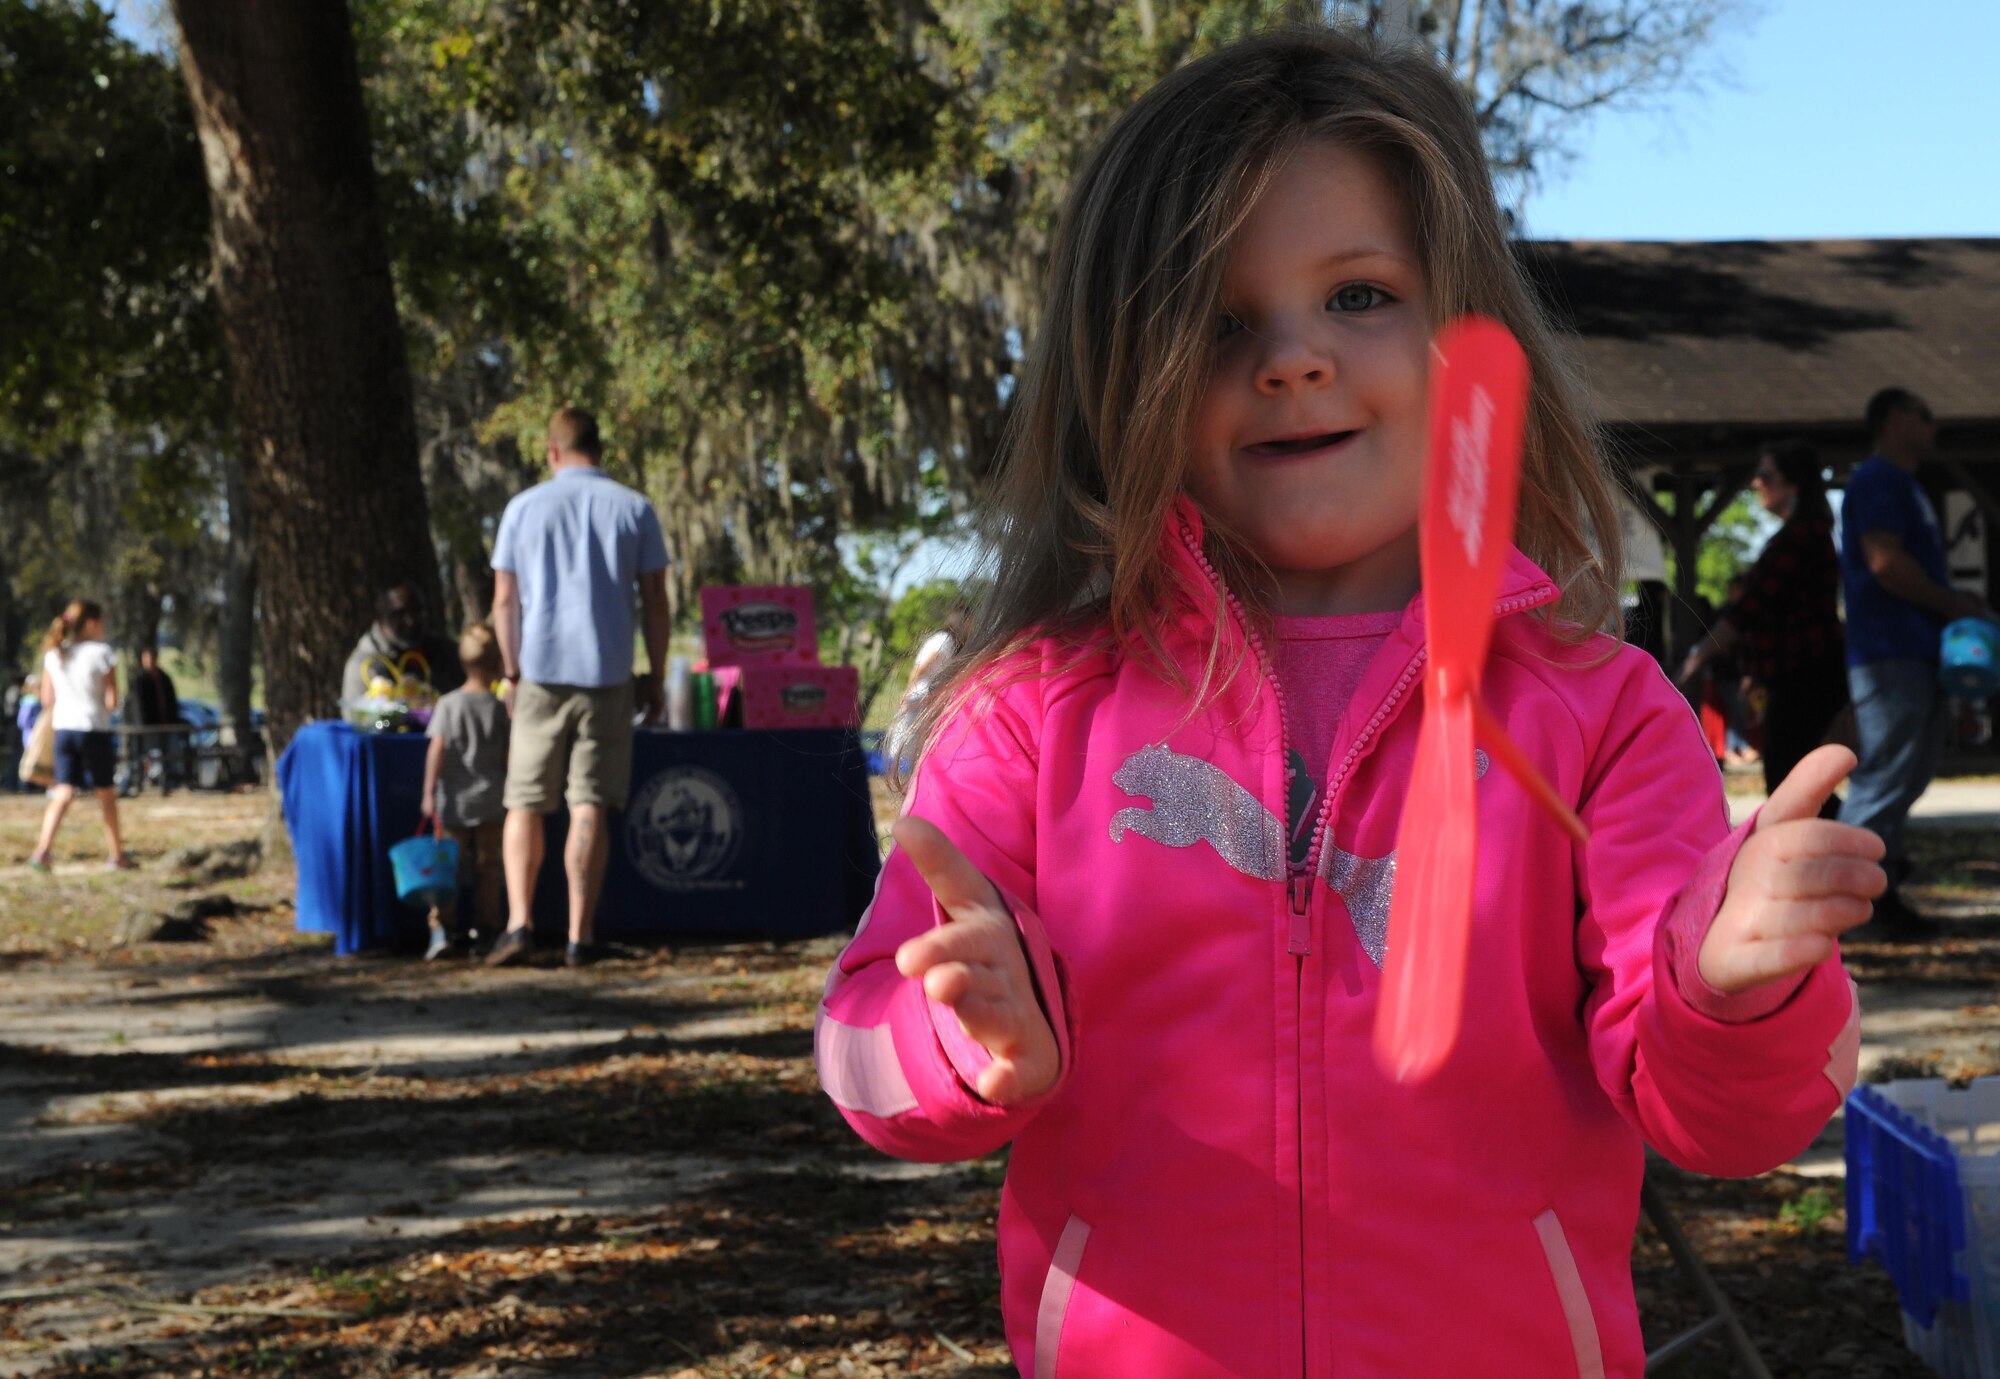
1845, 119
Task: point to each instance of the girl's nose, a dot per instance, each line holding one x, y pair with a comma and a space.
1293, 360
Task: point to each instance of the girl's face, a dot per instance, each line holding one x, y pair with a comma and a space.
91, 631
1309, 440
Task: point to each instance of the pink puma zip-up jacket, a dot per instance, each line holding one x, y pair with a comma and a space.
1222, 1181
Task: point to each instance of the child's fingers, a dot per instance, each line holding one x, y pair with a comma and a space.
991, 1012
987, 1005
1008, 1080
958, 885
1758, 963
1811, 877
1815, 837
1826, 914
969, 944
947, 983
974, 966
998, 1083
995, 1023
1800, 794
1789, 936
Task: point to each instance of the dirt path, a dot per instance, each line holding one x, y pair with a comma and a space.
441, 1170
194, 1123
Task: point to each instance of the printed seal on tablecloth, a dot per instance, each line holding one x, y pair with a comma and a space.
683, 828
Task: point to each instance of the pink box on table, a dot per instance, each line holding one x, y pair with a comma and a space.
759, 625
800, 696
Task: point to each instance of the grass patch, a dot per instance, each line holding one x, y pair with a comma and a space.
79, 905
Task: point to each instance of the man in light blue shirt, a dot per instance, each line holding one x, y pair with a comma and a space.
565, 562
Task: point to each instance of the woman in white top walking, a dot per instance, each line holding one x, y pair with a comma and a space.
81, 694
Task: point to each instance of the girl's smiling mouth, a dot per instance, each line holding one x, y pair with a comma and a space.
1290, 446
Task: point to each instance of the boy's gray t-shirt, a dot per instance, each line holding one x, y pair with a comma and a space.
576, 546
474, 727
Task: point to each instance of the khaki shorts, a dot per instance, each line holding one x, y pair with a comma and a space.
566, 731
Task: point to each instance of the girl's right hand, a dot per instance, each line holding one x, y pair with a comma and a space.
975, 964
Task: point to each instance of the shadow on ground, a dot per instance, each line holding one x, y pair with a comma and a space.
383, 1168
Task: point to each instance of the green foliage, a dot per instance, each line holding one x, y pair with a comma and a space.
908, 621
789, 251
112, 389
103, 230
115, 516
1811, 1209
862, 622
1730, 547
921, 611
725, 240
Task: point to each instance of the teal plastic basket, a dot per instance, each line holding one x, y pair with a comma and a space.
1969, 659
426, 870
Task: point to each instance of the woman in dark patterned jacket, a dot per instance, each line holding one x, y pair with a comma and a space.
1785, 629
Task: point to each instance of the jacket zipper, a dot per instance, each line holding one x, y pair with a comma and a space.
1298, 941
1297, 889
1298, 885
1355, 751
1323, 825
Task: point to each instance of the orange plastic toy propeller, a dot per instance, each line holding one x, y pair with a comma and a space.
1472, 476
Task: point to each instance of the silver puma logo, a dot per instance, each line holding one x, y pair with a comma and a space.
1366, 884
1194, 801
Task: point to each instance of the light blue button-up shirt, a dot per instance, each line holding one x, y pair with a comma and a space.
576, 546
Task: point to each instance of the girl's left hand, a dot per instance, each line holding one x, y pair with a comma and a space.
1799, 882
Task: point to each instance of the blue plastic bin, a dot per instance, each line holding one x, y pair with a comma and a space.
1923, 1198
426, 870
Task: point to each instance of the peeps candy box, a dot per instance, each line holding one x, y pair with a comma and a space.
799, 696
759, 625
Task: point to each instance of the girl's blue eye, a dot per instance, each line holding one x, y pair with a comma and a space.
1357, 297
1227, 326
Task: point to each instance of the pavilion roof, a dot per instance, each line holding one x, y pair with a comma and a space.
1763, 335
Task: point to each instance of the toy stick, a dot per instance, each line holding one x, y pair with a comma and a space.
1472, 474
1523, 771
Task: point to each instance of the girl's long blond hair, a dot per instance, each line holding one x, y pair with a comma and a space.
1097, 446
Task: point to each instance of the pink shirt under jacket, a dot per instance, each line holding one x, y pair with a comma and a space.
1222, 1182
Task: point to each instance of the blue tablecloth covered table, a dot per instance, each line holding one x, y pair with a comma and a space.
727, 835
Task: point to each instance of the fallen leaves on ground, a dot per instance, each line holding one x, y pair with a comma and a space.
802, 1254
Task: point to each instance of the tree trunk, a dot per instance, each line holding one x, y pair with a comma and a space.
136, 618
238, 622
13, 630
455, 518
322, 381
474, 583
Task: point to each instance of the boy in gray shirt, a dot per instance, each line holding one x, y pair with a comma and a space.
464, 774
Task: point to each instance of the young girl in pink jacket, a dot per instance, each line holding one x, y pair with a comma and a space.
1134, 923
